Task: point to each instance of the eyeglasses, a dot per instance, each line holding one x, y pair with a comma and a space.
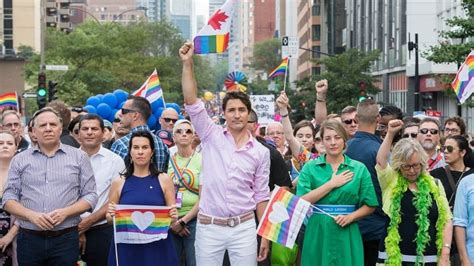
183, 131
349, 121
412, 135
167, 120
116, 120
452, 130
447, 149
432, 131
127, 111
407, 167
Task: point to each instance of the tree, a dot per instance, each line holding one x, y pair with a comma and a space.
344, 72
266, 55
103, 57
448, 52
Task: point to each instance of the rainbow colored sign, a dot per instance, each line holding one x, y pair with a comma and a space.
280, 70
151, 88
139, 224
9, 99
283, 217
463, 84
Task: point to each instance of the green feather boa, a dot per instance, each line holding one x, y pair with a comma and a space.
422, 202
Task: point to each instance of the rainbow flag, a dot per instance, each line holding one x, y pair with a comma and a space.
280, 70
463, 84
214, 36
283, 217
151, 88
9, 99
140, 224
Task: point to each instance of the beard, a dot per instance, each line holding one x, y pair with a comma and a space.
428, 146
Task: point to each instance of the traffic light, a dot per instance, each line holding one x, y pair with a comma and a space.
41, 91
362, 91
51, 14
52, 91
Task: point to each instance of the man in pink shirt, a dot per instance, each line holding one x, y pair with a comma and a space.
234, 181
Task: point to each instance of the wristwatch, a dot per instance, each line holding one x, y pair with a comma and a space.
182, 223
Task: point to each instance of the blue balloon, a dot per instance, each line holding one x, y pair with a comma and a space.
157, 104
112, 115
158, 112
100, 96
151, 121
181, 116
157, 127
104, 110
120, 105
93, 101
90, 109
121, 95
110, 99
174, 106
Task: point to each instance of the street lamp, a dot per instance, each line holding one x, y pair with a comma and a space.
85, 11
130, 10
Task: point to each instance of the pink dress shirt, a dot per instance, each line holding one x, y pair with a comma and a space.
233, 179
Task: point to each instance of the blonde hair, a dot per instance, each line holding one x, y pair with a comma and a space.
336, 126
404, 149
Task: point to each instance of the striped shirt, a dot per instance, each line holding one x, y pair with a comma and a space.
44, 184
162, 155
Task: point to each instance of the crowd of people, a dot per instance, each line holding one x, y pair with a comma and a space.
386, 189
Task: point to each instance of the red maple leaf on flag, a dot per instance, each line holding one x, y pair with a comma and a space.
217, 19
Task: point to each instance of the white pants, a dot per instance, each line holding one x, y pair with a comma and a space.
240, 241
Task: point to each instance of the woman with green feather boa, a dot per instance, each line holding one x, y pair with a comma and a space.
420, 227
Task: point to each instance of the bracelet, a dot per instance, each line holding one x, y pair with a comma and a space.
285, 115
448, 246
182, 223
320, 99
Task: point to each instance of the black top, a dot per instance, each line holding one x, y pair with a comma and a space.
440, 174
67, 139
278, 172
408, 228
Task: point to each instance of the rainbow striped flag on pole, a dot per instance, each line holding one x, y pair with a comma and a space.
140, 224
463, 84
283, 217
9, 99
280, 70
151, 88
214, 36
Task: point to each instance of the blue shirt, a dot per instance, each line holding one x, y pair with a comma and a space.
363, 147
464, 211
162, 154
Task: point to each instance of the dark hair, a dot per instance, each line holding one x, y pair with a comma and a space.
237, 95
253, 116
92, 117
459, 121
73, 123
430, 120
463, 145
63, 111
128, 162
302, 124
141, 105
391, 110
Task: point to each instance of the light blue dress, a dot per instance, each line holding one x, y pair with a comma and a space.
464, 211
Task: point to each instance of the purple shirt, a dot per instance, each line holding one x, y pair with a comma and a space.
233, 179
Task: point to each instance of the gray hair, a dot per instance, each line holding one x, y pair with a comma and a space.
404, 149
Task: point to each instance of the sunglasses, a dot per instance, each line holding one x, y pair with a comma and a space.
183, 131
77, 109
432, 131
407, 167
447, 149
349, 121
116, 120
412, 135
167, 120
127, 111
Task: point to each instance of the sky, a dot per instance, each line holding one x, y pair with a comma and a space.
202, 7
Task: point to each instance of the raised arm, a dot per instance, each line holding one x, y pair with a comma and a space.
382, 156
320, 108
283, 103
188, 82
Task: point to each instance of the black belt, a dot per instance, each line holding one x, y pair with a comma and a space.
100, 226
49, 233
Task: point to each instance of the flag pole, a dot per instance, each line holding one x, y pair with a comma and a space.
286, 72
323, 212
115, 241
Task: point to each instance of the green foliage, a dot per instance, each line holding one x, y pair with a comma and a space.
344, 73
266, 55
104, 57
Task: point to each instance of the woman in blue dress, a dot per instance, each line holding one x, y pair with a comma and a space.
143, 184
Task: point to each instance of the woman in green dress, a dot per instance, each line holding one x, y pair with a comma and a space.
342, 191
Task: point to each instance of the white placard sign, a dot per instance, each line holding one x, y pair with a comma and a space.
264, 106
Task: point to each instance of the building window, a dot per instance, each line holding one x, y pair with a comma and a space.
316, 8
316, 52
315, 71
316, 32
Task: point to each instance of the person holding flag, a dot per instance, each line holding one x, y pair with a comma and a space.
234, 180
142, 184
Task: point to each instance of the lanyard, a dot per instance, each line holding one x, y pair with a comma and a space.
179, 173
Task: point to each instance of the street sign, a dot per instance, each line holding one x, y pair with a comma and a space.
57, 67
28, 95
289, 47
